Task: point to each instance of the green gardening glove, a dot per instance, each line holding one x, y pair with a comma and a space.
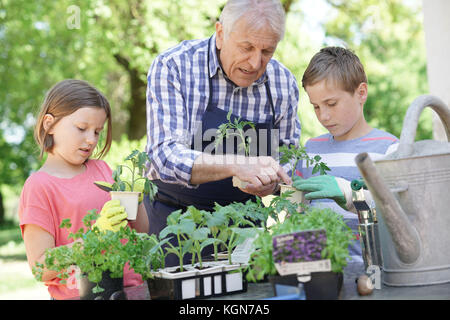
320, 187
112, 217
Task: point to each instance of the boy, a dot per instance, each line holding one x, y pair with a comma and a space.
336, 85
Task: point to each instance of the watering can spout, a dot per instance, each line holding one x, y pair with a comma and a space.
404, 235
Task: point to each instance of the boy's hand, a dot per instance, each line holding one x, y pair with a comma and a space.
112, 217
320, 187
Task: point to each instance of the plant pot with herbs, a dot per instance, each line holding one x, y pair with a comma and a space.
100, 258
130, 184
309, 249
293, 155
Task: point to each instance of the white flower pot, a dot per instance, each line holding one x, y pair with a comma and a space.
296, 197
238, 183
211, 278
234, 281
169, 273
209, 267
128, 199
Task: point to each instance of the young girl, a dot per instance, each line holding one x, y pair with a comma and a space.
68, 128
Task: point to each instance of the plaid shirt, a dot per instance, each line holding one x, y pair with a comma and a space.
177, 98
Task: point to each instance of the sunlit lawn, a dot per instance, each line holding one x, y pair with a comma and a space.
15, 274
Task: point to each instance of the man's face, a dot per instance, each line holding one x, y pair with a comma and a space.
244, 54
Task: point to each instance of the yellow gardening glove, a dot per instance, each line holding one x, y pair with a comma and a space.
112, 217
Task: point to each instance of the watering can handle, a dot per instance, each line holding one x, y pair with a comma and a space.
411, 120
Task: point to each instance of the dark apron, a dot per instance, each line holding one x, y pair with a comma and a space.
171, 197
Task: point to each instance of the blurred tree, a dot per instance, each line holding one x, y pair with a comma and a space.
388, 38
111, 44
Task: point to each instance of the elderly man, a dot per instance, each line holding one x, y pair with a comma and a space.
198, 85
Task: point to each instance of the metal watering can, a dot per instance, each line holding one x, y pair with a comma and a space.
411, 189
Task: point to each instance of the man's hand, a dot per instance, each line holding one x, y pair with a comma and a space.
112, 217
261, 191
320, 187
263, 175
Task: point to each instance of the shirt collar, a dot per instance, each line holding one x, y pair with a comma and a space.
214, 64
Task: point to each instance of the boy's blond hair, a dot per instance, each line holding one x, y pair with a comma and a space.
336, 64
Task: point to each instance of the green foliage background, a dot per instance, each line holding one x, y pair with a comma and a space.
117, 40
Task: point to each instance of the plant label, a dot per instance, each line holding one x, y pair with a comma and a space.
243, 251
300, 252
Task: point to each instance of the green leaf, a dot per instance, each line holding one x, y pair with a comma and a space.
229, 114
65, 223
208, 242
132, 155
200, 234
97, 289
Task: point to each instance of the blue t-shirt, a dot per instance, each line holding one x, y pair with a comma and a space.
339, 156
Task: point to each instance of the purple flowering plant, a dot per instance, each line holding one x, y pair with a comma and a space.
299, 246
333, 244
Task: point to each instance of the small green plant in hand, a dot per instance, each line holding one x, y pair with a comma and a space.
295, 154
235, 128
133, 179
282, 203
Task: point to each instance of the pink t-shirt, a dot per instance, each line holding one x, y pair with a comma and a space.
47, 200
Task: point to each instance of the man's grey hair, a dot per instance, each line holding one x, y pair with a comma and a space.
258, 14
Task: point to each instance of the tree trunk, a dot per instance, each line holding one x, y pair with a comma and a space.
287, 5
2, 209
137, 124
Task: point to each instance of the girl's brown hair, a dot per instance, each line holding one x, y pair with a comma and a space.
63, 99
335, 64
